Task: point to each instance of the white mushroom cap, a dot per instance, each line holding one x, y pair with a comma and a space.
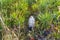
31, 21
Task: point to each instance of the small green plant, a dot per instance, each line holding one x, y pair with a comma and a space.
45, 19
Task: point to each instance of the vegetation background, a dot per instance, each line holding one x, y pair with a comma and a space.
15, 15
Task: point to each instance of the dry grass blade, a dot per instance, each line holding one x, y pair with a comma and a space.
6, 28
